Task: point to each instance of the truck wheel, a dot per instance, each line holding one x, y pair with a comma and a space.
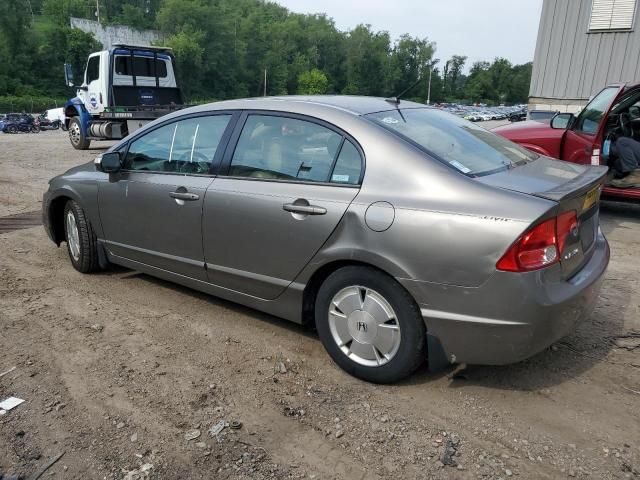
78, 140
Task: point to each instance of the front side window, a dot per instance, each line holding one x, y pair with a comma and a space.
93, 69
281, 148
184, 147
589, 119
464, 146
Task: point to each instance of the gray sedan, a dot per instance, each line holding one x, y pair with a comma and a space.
401, 232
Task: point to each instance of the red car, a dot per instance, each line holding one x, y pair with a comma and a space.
615, 111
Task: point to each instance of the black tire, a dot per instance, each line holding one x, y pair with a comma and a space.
412, 351
78, 140
35, 129
87, 260
63, 126
12, 129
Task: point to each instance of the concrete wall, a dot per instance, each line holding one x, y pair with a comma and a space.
110, 34
571, 64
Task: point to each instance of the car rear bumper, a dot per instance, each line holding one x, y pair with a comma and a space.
511, 316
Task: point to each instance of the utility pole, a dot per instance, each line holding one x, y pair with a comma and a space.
265, 82
98, 10
431, 65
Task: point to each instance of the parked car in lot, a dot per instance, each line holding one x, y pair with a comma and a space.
613, 112
46, 123
518, 116
20, 122
400, 231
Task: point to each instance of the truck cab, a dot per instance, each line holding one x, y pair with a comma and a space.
123, 88
612, 113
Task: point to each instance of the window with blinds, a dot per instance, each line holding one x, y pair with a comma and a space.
612, 15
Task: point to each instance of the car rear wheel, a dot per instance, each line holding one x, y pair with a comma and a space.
82, 244
370, 325
12, 129
78, 140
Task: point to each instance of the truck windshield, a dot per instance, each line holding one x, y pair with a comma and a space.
589, 119
458, 143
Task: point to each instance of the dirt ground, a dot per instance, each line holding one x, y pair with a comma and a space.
120, 371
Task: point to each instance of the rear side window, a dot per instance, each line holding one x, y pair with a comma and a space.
142, 66
282, 148
184, 147
348, 165
93, 69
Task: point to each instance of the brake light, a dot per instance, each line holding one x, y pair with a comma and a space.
537, 248
567, 225
541, 245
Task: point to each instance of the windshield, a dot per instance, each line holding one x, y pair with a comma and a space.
466, 147
589, 119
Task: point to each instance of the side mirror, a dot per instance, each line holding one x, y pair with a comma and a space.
68, 75
109, 162
562, 121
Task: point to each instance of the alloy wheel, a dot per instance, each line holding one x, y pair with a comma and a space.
73, 237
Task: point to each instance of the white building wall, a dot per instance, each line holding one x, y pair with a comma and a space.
111, 34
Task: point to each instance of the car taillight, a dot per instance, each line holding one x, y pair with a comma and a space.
541, 245
567, 225
537, 248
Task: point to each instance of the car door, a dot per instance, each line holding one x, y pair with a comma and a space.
151, 210
92, 97
584, 136
286, 185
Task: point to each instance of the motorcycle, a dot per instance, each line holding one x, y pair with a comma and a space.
15, 123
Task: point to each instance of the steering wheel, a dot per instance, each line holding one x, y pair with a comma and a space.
196, 163
624, 124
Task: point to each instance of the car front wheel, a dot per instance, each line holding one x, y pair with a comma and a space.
81, 239
370, 325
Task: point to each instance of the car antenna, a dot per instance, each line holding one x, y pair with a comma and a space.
396, 99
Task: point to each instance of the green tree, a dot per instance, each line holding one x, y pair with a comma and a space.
411, 59
59, 11
312, 82
453, 75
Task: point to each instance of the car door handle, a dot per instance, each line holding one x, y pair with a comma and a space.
304, 209
184, 196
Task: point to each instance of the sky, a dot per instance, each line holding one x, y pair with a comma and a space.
479, 29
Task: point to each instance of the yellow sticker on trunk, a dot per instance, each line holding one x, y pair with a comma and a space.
591, 198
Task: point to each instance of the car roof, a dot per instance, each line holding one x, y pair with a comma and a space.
356, 105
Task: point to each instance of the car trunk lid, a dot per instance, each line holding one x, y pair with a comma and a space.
573, 187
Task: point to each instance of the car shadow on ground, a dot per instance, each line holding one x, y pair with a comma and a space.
566, 359
613, 214
125, 273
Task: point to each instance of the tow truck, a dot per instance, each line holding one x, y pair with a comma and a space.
123, 88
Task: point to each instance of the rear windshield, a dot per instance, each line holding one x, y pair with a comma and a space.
458, 143
142, 66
